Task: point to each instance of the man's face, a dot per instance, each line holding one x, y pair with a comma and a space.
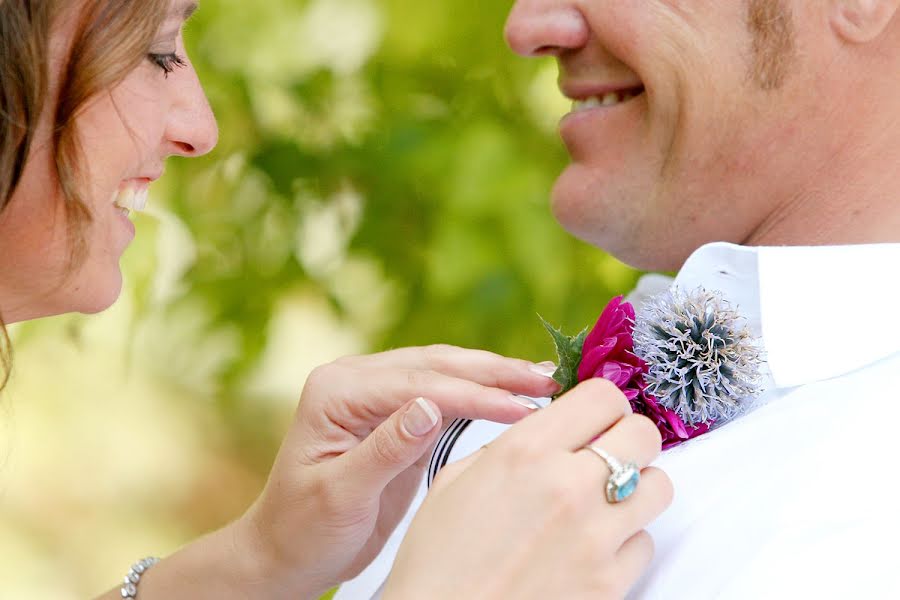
698, 121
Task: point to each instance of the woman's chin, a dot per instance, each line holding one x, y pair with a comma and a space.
103, 300
97, 294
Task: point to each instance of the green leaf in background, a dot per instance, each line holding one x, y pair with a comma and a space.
569, 351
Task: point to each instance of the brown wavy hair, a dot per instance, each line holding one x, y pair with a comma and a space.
111, 38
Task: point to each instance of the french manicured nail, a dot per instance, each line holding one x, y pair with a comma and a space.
526, 402
420, 419
545, 369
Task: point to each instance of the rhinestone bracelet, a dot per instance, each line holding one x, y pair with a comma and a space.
130, 587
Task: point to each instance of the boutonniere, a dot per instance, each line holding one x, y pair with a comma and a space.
688, 361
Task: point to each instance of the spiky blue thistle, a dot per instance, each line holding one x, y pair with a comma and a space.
704, 362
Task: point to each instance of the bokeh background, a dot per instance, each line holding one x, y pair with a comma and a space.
382, 180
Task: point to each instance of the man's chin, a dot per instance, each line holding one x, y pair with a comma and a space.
618, 224
595, 222
630, 245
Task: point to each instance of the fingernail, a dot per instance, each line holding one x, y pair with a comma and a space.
545, 369
420, 418
526, 402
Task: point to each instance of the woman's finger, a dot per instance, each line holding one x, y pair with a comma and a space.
620, 521
359, 399
571, 421
634, 438
390, 449
632, 559
488, 369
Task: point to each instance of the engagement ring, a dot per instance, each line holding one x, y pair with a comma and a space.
623, 479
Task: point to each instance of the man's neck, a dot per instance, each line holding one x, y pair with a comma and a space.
856, 218
853, 198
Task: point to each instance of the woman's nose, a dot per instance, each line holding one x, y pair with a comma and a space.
192, 129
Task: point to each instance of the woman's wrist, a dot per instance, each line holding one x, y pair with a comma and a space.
264, 572
230, 563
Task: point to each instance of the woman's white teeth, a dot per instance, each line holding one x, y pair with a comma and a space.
131, 198
140, 199
608, 99
125, 198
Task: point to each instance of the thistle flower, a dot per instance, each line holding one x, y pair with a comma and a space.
704, 363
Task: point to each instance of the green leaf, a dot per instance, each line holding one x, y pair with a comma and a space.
568, 349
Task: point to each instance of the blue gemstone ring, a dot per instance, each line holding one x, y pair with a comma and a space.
623, 479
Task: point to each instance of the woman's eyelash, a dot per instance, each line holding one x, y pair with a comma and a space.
167, 62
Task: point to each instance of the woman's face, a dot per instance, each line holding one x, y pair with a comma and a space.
157, 111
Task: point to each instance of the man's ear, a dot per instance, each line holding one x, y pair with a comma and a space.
861, 21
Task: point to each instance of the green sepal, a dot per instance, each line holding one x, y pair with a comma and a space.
569, 351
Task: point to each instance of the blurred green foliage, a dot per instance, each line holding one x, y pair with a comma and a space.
401, 136
395, 158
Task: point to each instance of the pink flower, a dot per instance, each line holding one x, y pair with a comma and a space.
672, 429
608, 352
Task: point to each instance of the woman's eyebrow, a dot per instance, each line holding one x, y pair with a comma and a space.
178, 16
184, 11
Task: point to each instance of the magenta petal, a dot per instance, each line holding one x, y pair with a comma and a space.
614, 373
676, 424
604, 322
624, 341
700, 429
617, 373
669, 443
593, 358
610, 339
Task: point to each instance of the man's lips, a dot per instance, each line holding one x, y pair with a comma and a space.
575, 89
599, 128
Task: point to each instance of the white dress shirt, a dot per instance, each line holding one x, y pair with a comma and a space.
799, 498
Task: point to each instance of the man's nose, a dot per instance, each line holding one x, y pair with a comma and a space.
545, 27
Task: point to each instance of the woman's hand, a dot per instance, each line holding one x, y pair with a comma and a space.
357, 451
527, 517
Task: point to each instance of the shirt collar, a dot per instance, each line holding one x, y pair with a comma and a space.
821, 312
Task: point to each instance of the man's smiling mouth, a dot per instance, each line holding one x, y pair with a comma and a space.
607, 99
